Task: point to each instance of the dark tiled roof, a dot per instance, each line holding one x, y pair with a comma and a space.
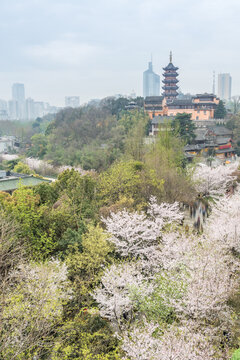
223, 140
223, 151
200, 134
161, 120
220, 130
153, 99
177, 102
170, 67
205, 95
193, 147
173, 74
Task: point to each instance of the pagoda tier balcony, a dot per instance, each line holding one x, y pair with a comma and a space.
169, 92
170, 81
170, 87
170, 74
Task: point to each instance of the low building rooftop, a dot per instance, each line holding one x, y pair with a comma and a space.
14, 181
161, 120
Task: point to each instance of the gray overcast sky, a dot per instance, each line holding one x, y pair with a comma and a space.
96, 48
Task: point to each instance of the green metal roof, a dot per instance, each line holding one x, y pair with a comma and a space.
13, 184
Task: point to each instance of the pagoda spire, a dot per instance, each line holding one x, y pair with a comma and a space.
170, 56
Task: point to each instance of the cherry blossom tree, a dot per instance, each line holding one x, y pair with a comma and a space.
224, 224
208, 271
214, 181
210, 281
45, 167
177, 343
33, 306
114, 293
137, 234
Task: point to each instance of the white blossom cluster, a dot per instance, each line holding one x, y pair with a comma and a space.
33, 304
113, 295
42, 165
224, 222
214, 181
137, 234
177, 343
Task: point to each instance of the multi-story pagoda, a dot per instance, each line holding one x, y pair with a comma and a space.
170, 81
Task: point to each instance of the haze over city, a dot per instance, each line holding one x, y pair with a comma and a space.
101, 48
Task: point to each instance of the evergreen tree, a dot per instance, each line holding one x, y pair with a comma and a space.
184, 127
220, 111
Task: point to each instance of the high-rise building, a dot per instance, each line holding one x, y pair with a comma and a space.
39, 109
224, 86
18, 97
170, 81
18, 92
151, 82
72, 101
30, 113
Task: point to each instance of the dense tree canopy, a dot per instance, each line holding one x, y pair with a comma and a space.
184, 127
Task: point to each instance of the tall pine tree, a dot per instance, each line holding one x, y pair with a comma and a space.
220, 111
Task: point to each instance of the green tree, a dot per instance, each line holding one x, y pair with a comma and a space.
33, 227
184, 127
86, 266
87, 336
234, 125
128, 179
235, 104
22, 168
220, 111
78, 194
136, 124
166, 161
39, 146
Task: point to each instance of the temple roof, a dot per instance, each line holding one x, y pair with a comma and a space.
220, 131
204, 95
170, 67
162, 120
223, 140
177, 102
172, 74
153, 99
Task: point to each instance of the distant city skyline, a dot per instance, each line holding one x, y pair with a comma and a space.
18, 107
101, 48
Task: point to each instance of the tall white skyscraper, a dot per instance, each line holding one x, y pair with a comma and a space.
18, 92
151, 82
224, 86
